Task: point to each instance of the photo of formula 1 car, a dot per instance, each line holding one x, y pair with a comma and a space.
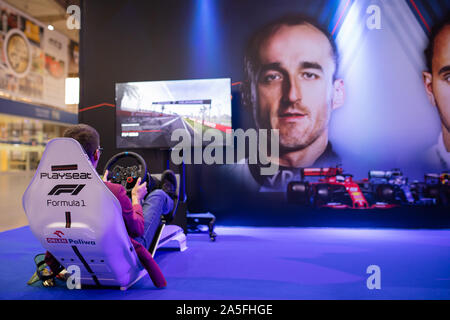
435, 189
388, 186
334, 189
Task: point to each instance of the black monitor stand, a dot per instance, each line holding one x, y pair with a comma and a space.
190, 222
181, 210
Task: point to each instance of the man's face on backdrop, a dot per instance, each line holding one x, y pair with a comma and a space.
437, 84
295, 90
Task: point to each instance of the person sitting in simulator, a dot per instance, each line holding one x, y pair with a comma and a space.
141, 221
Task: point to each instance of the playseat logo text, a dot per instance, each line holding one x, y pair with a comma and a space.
73, 189
66, 175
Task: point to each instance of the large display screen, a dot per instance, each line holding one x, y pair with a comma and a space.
148, 113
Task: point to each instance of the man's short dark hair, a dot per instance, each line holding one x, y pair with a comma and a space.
437, 28
86, 135
251, 58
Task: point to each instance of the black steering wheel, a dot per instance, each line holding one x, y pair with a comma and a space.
126, 176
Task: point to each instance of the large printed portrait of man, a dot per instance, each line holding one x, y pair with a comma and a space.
437, 87
291, 85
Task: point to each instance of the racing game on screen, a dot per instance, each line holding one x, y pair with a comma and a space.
147, 113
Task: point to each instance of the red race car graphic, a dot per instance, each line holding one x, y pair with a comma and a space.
331, 188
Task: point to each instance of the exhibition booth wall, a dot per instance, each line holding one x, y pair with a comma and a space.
362, 92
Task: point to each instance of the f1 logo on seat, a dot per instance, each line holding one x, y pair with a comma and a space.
73, 189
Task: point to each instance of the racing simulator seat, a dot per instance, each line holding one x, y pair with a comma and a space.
77, 218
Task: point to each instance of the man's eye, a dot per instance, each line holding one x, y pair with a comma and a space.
271, 77
447, 77
309, 76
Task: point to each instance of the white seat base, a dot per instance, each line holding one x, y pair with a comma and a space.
142, 274
172, 236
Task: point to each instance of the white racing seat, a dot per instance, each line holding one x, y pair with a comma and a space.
77, 218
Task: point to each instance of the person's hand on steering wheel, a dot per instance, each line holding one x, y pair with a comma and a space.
105, 176
126, 174
138, 192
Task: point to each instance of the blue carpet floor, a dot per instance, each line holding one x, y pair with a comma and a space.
265, 263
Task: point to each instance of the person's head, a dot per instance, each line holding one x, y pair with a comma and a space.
291, 82
437, 78
88, 138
